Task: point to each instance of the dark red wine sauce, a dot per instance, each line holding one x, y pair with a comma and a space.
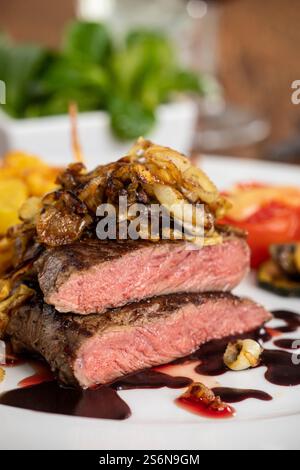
273, 333
40, 393
151, 379
288, 343
291, 319
200, 408
211, 354
282, 369
236, 395
42, 374
49, 397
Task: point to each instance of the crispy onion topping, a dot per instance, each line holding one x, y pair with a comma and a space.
148, 174
63, 219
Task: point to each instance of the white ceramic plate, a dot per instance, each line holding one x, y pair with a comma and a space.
156, 423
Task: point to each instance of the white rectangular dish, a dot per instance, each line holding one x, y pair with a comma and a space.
50, 137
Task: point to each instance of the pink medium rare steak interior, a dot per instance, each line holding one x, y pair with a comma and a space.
157, 269
88, 350
104, 358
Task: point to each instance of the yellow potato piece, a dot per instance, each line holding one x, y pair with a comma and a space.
21, 161
8, 173
21, 176
39, 185
13, 193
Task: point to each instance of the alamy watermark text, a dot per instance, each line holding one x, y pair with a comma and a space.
296, 93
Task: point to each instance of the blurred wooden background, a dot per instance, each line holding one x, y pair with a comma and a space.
36, 20
259, 53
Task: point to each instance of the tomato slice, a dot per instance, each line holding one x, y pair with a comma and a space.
273, 223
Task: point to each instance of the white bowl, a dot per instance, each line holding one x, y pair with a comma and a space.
50, 137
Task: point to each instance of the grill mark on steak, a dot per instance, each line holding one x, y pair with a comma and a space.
131, 338
56, 264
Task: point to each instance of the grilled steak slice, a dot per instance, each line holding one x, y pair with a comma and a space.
93, 276
98, 349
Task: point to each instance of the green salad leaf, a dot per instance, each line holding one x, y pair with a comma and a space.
129, 80
19, 68
88, 42
130, 119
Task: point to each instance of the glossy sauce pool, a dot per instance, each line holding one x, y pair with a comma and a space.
40, 392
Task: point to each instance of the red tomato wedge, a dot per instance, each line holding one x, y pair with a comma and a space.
269, 222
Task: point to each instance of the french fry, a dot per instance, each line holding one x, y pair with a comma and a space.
39, 184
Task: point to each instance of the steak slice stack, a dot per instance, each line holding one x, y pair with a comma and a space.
100, 310
133, 305
92, 276
98, 349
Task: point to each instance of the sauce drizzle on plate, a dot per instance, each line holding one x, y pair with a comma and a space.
40, 392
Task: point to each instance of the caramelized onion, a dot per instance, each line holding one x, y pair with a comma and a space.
177, 206
55, 228
30, 209
148, 174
